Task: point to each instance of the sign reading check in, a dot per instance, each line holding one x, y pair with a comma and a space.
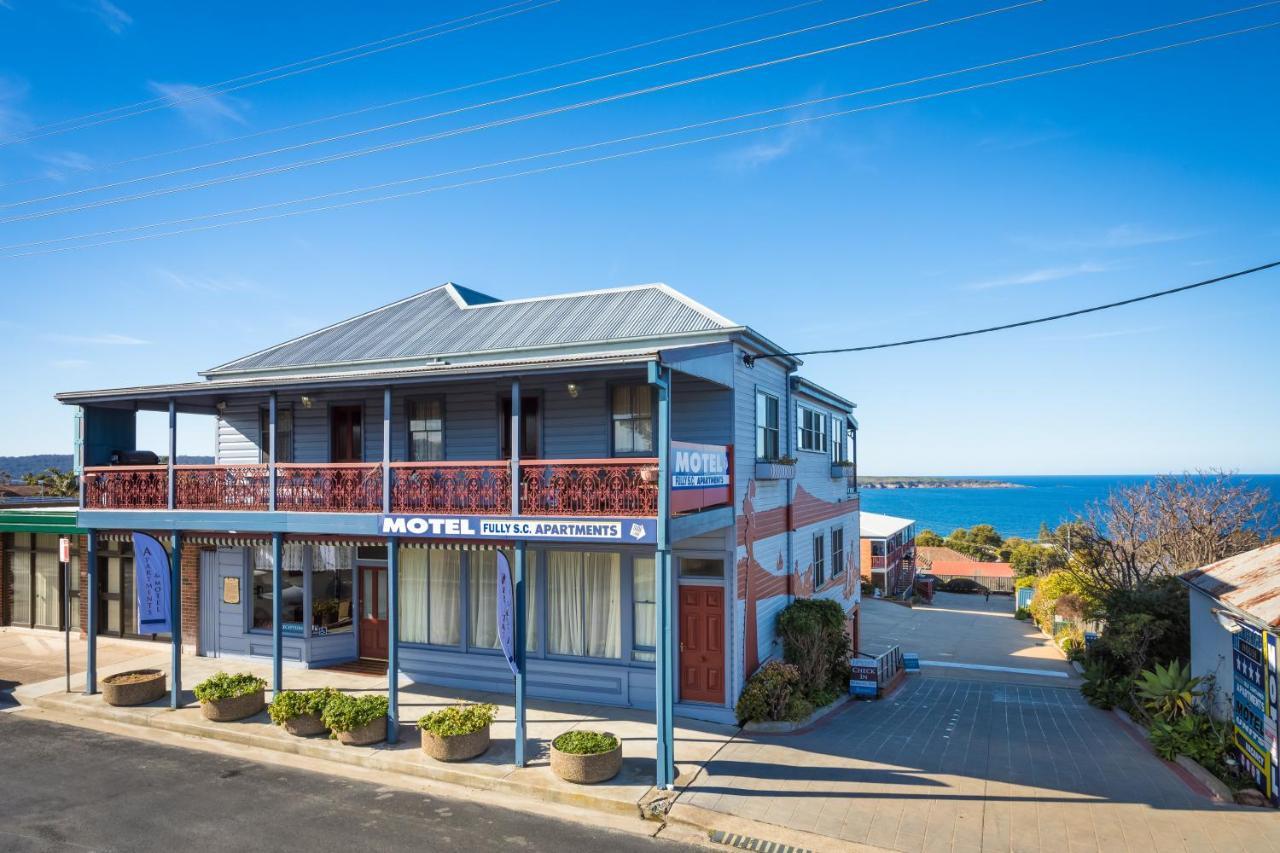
633, 531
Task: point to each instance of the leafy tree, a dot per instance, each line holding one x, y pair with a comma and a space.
1033, 558
929, 539
53, 482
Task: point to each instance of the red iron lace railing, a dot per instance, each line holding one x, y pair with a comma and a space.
451, 488
336, 487
605, 487
131, 487
242, 487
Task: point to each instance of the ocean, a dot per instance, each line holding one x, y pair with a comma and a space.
1013, 512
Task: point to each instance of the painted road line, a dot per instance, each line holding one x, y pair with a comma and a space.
1048, 673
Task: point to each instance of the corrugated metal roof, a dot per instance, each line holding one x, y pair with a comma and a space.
876, 526
448, 320
1249, 582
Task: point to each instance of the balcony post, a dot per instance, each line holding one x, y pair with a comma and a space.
393, 640
277, 613
91, 640
173, 452
272, 411
663, 665
517, 581
175, 620
386, 450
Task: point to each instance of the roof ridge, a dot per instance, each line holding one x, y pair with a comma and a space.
446, 286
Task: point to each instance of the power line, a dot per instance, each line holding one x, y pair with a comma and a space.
390, 146
451, 91
651, 134
287, 70
455, 111
750, 360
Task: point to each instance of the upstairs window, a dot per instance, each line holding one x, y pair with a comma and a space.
837, 551
819, 562
767, 431
813, 430
284, 434
839, 442
426, 429
632, 420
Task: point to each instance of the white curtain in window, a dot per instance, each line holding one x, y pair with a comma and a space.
564, 603
413, 594
48, 603
603, 599
484, 599
643, 584
446, 603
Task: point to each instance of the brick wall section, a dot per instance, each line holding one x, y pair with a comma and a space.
191, 596
6, 585
80, 545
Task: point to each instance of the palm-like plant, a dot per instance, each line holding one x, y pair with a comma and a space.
1170, 692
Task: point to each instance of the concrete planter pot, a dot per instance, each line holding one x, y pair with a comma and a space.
135, 687
370, 733
305, 725
587, 769
235, 708
455, 747
775, 471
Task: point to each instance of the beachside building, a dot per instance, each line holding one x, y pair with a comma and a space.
659, 479
888, 551
1235, 645
949, 564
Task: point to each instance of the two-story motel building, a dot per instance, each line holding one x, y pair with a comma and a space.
390, 457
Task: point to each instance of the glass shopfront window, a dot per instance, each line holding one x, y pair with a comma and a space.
292, 594
482, 573
644, 603
431, 596
584, 604
331, 583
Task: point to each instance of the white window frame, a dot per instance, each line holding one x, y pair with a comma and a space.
808, 438
819, 561
762, 429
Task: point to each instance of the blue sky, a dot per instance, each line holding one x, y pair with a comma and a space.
965, 210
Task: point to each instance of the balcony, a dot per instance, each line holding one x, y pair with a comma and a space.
567, 487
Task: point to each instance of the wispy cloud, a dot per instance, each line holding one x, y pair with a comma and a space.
1123, 236
1017, 140
63, 162
1039, 276
13, 119
114, 18
71, 363
207, 284
762, 152
204, 109
109, 339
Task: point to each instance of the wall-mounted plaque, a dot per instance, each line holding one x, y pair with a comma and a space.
231, 590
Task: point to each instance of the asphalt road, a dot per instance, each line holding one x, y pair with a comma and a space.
65, 788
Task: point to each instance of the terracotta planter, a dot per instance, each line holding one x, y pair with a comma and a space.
455, 747
369, 733
305, 725
236, 708
587, 769
135, 687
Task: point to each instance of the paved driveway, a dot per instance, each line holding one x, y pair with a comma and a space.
32, 655
966, 631
955, 764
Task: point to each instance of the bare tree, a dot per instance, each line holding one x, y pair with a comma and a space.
1166, 526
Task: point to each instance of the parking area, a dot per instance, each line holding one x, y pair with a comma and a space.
967, 636
32, 655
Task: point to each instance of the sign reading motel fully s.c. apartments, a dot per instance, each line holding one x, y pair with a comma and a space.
621, 531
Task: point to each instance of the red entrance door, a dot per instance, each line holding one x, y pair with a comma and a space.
373, 612
702, 644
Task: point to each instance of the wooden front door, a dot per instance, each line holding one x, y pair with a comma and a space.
373, 612
702, 644
529, 431
346, 434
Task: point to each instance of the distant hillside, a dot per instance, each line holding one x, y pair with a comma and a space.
17, 466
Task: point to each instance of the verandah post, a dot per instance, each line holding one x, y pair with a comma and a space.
386, 449
175, 619
663, 699
517, 581
91, 646
277, 614
172, 489
273, 409
393, 640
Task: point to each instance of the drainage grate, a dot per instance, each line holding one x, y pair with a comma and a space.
746, 842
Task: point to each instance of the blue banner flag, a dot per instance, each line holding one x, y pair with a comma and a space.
151, 584
506, 613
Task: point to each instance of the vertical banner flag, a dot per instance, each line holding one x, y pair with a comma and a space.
506, 613
151, 584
